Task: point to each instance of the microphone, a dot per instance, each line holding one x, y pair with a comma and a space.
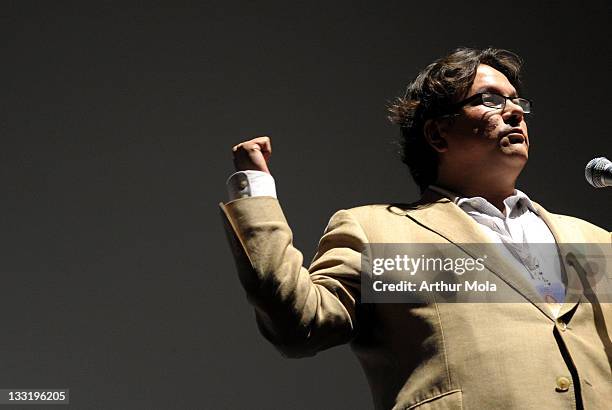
598, 172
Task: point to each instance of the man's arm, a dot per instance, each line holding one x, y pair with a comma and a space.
301, 311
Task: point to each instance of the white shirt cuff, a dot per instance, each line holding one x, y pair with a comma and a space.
244, 184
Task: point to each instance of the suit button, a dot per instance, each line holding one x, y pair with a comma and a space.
563, 383
562, 325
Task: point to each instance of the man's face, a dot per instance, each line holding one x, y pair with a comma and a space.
493, 139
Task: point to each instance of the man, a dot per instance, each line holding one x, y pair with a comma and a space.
465, 141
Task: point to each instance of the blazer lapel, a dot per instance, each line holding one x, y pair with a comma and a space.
444, 217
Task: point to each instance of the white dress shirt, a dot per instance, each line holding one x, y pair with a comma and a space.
527, 239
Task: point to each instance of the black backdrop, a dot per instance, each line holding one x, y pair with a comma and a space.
116, 127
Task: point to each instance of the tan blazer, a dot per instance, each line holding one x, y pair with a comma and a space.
431, 355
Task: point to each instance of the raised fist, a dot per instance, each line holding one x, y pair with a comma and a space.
253, 154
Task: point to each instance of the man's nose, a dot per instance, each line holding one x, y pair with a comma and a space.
513, 114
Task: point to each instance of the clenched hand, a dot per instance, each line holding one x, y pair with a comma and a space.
253, 154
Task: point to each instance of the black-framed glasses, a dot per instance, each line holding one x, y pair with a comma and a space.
493, 100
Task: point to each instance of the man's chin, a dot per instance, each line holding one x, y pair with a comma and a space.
516, 151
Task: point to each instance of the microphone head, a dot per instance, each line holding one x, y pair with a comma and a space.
594, 171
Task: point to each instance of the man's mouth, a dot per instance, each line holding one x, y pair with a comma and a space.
515, 136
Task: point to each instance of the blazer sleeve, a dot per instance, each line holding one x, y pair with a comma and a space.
301, 311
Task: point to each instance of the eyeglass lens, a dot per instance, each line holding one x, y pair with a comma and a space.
499, 101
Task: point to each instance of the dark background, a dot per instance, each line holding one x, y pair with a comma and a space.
116, 128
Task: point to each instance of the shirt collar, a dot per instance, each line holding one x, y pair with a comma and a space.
481, 205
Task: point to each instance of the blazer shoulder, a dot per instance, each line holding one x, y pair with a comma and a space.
376, 211
377, 217
568, 219
391, 209
583, 226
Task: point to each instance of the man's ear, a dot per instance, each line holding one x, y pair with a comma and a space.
433, 135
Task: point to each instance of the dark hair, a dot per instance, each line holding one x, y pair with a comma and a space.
440, 84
